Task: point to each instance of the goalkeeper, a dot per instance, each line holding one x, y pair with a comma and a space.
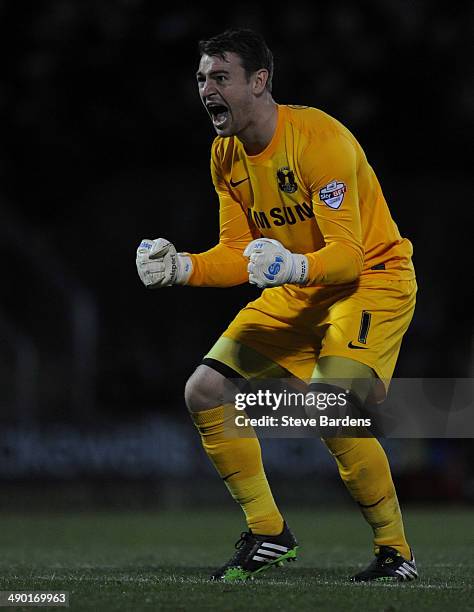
303, 216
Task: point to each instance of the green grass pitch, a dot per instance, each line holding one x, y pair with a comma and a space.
161, 561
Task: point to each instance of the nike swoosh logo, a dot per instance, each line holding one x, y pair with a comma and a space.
229, 475
350, 345
232, 184
371, 505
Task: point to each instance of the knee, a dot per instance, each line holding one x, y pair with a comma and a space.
204, 389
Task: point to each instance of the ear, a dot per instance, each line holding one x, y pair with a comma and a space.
260, 79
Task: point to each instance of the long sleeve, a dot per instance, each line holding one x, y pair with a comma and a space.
331, 169
224, 265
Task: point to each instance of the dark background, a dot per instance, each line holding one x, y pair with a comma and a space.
103, 141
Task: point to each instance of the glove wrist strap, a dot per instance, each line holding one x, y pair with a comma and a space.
185, 269
299, 270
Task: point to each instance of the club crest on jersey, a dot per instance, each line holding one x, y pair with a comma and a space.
286, 180
333, 194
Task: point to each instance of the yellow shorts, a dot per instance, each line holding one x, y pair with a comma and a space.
295, 327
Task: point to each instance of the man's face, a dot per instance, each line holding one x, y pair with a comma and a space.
225, 92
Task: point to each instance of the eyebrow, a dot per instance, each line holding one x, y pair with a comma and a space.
213, 72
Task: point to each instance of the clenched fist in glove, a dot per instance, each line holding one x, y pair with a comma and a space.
270, 264
159, 265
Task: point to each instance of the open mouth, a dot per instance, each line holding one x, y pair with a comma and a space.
219, 113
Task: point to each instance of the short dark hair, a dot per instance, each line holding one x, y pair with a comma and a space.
247, 44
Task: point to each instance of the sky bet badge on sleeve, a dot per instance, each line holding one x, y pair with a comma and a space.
333, 194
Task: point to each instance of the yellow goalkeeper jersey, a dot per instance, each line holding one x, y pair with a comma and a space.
313, 190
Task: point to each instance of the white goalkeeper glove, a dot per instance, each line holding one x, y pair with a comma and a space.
270, 264
159, 265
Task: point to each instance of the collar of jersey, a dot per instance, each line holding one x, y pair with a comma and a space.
270, 148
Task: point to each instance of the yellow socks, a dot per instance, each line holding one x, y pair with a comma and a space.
362, 464
364, 468
239, 463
